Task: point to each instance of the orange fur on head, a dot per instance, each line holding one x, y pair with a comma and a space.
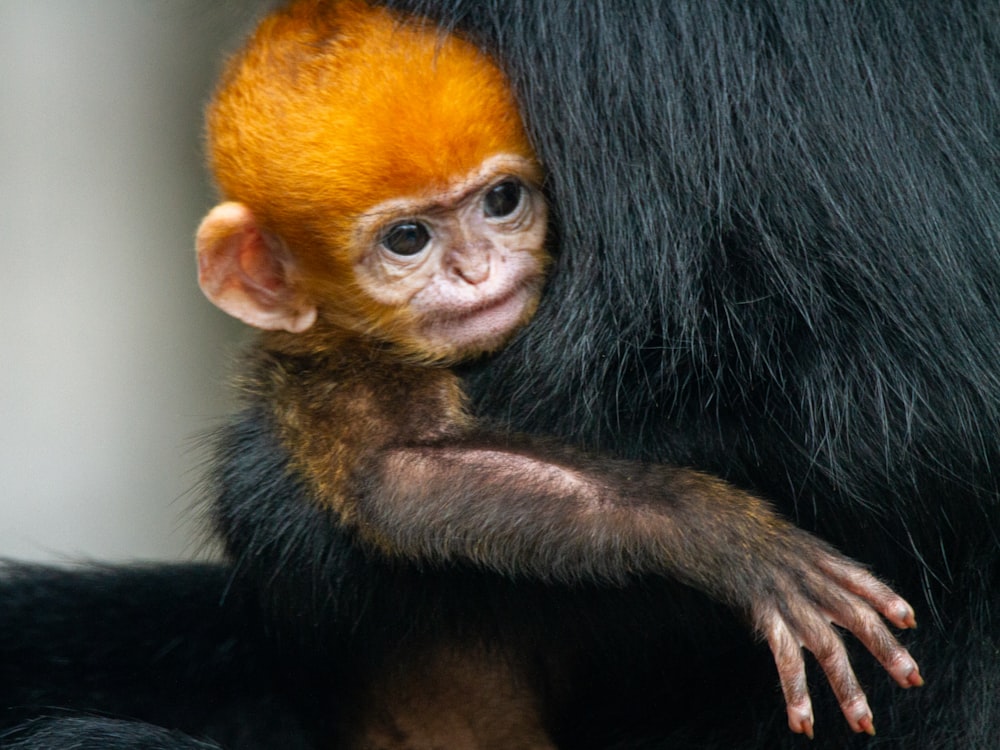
334, 107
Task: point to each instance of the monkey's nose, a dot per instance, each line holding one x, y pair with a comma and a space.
472, 265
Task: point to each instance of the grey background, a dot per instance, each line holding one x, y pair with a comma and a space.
111, 362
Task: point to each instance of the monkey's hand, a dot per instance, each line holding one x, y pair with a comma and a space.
811, 588
528, 507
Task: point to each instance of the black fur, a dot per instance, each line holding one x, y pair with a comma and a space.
778, 227
176, 645
85, 733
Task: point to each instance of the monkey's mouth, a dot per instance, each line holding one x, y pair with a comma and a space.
486, 324
492, 305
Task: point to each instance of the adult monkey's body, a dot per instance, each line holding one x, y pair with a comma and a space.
786, 282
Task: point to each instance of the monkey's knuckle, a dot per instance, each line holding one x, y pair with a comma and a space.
900, 660
854, 702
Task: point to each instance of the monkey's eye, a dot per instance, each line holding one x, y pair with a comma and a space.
503, 199
406, 238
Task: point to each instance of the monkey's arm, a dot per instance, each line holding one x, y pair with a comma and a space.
518, 506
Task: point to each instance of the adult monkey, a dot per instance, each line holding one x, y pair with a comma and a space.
779, 232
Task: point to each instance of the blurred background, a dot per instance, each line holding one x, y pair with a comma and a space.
111, 362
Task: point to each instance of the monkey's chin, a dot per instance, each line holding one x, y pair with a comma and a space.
484, 328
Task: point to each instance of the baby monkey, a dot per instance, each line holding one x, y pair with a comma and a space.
385, 220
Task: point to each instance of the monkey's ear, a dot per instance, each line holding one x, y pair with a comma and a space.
243, 270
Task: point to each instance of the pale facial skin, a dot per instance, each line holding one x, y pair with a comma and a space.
467, 262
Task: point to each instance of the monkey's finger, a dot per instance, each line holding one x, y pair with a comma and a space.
791, 666
868, 628
829, 650
860, 582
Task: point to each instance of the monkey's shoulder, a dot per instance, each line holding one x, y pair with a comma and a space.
331, 411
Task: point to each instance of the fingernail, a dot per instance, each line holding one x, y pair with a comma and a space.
867, 725
807, 729
907, 616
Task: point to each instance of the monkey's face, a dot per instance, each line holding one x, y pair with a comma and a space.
455, 271
441, 276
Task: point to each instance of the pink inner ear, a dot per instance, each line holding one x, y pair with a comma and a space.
242, 270
258, 265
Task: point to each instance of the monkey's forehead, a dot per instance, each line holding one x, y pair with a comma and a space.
353, 105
